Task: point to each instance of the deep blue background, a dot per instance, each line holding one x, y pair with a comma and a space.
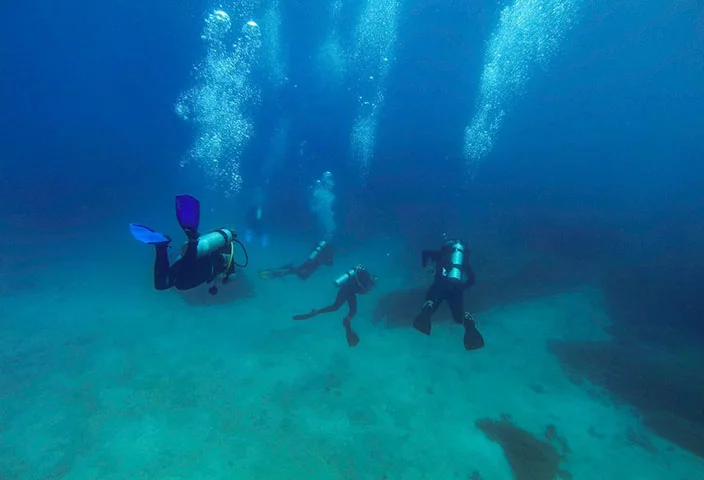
600, 160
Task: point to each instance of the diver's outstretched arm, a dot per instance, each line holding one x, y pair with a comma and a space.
352, 304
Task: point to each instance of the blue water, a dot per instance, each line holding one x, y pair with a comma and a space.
585, 221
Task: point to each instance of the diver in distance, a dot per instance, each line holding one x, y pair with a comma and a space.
453, 275
355, 281
204, 258
322, 254
255, 220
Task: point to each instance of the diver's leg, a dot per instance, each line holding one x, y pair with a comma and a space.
188, 271
339, 301
306, 269
351, 335
456, 302
473, 340
163, 278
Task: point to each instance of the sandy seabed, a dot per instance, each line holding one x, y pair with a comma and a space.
104, 378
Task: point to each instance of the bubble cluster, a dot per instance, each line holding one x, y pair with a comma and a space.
219, 100
375, 36
374, 43
330, 59
331, 62
272, 55
363, 137
528, 35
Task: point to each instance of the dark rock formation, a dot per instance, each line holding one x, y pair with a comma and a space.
529, 457
667, 389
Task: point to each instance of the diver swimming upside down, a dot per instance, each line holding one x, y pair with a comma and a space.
204, 258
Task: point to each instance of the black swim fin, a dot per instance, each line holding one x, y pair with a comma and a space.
422, 321
473, 340
351, 335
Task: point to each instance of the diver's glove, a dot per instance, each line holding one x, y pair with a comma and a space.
306, 316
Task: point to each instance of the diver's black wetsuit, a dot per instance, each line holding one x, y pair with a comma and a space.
348, 292
443, 289
216, 257
187, 271
306, 269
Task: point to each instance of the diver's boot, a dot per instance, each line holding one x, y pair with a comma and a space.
422, 320
473, 340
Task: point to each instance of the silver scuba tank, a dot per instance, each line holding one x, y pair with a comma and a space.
345, 277
314, 254
214, 241
454, 269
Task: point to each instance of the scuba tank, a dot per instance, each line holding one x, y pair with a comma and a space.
316, 251
214, 241
453, 271
361, 276
345, 277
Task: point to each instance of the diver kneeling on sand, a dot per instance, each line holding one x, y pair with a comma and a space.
453, 275
203, 259
322, 254
355, 281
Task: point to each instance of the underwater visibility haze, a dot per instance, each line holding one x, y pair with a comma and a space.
352, 239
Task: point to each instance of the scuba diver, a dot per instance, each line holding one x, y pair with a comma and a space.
355, 281
322, 254
453, 275
204, 258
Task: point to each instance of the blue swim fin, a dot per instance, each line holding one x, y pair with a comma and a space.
147, 235
188, 213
